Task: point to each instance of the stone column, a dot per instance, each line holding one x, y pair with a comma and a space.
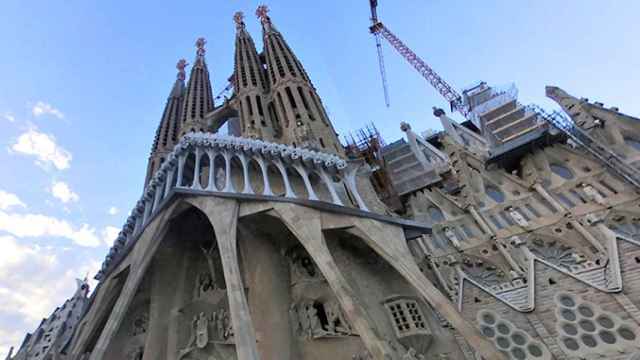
389, 242
143, 253
223, 214
306, 226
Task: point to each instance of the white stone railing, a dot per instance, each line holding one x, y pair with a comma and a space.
201, 161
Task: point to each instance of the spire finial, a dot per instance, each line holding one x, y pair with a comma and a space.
238, 18
262, 12
200, 45
182, 63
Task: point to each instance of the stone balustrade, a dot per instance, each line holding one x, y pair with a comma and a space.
242, 167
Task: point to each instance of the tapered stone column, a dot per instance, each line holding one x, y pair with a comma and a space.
305, 224
389, 242
223, 214
143, 253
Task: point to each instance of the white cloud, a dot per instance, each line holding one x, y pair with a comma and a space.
61, 191
109, 235
44, 148
113, 210
42, 108
35, 225
33, 281
9, 117
8, 200
20, 262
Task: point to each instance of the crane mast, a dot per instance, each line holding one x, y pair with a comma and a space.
379, 29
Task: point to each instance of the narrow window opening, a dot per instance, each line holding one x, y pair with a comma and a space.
249, 107
292, 101
284, 111
321, 142
259, 103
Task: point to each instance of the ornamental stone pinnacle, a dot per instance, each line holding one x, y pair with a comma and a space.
262, 12
238, 18
181, 65
200, 43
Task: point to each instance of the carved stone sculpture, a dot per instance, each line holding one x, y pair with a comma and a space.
136, 354
412, 355
452, 237
517, 217
202, 331
337, 322
593, 194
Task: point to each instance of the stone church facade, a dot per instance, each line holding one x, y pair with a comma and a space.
507, 238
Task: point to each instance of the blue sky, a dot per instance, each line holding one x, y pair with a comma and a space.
84, 83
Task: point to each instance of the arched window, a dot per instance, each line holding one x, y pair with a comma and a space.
635, 144
561, 171
495, 194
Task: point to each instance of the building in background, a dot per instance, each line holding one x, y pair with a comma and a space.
514, 235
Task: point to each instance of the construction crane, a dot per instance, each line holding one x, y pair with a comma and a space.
378, 29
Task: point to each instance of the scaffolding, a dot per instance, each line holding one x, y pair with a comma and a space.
367, 144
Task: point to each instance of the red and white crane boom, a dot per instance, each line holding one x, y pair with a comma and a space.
379, 29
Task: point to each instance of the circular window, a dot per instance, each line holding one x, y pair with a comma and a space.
488, 318
626, 334
495, 194
605, 322
519, 354
589, 340
570, 329
571, 344
607, 337
503, 329
503, 342
535, 350
568, 315
567, 301
585, 311
561, 171
518, 339
587, 325
488, 332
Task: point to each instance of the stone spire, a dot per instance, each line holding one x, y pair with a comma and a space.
304, 120
199, 97
169, 128
257, 115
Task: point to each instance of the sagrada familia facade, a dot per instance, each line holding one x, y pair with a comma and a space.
502, 237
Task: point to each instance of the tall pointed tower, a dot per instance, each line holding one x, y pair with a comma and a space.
167, 133
257, 116
304, 120
199, 98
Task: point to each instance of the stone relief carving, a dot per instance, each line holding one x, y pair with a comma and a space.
313, 320
452, 237
517, 217
593, 194
362, 356
202, 330
139, 325
205, 283
206, 332
413, 355
136, 353
482, 271
556, 253
301, 266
